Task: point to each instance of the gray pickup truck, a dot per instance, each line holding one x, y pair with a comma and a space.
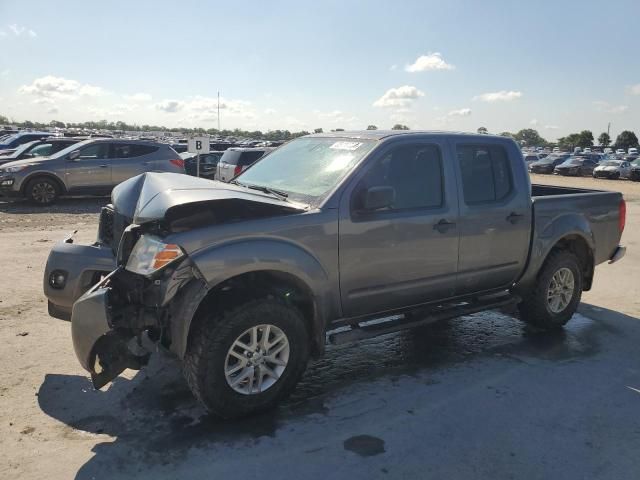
337, 236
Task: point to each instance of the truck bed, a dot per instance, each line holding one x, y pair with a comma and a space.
578, 207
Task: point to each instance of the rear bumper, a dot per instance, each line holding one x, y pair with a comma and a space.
77, 267
618, 254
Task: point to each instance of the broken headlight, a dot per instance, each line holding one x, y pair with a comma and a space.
151, 254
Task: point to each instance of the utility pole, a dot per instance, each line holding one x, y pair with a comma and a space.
608, 127
218, 112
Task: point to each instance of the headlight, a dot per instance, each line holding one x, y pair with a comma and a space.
15, 169
150, 254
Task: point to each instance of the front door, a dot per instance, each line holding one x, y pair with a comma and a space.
90, 173
406, 254
495, 217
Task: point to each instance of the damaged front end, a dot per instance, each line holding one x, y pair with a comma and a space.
122, 318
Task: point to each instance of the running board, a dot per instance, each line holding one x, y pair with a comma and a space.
417, 318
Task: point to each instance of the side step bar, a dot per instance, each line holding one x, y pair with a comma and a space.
419, 317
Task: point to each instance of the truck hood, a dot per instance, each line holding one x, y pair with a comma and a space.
185, 201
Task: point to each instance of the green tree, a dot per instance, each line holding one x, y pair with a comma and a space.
530, 137
604, 139
4, 120
318, 130
372, 127
507, 134
626, 139
585, 139
398, 126
483, 130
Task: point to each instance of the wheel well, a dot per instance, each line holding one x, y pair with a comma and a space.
43, 175
580, 248
261, 284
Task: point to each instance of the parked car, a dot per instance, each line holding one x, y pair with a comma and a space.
38, 148
634, 173
633, 151
327, 234
548, 164
620, 151
612, 169
236, 160
92, 167
576, 166
208, 163
531, 157
17, 139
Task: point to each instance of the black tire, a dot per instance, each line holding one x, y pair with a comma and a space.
42, 191
209, 343
535, 309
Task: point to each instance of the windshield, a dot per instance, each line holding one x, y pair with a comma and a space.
611, 163
23, 147
551, 159
309, 166
573, 161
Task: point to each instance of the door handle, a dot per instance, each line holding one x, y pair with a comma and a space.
514, 217
443, 225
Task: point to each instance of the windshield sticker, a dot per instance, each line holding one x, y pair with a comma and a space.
351, 146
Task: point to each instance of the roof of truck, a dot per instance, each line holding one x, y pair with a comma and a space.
380, 134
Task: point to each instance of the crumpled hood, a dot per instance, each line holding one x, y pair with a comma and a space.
153, 196
610, 168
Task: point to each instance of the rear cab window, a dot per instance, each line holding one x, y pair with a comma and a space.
486, 173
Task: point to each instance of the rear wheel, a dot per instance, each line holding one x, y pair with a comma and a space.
42, 191
248, 359
556, 294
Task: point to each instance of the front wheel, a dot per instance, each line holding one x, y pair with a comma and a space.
42, 191
556, 293
248, 359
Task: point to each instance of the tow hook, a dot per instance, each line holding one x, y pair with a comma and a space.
112, 355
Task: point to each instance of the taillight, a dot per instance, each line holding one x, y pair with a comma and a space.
237, 171
178, 162
622, 215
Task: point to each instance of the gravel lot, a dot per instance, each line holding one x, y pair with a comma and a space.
476, 397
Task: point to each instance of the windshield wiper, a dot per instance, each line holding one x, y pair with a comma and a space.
262, 188
270, 190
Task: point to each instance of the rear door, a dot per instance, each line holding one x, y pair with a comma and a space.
495, 216
406, 254
129, 160
91, 172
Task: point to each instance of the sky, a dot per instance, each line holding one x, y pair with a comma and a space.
557, 66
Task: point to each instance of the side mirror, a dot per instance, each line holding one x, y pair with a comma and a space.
376, 198
74, 155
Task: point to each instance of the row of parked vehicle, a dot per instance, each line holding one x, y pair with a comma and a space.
598, 165
42, 170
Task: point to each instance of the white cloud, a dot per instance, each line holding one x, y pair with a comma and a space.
53, 110
393, 67
608, 108
208, 106
534, 122
429, 62
18, 30
462, 112
551, 127
634, 89
399, 97
138, 97
501, 96
58, 87
270, 111
169, 106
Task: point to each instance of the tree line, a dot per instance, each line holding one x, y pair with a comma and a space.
526, 137
531, 138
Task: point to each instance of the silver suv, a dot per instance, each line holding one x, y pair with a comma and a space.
236, 160
92, 167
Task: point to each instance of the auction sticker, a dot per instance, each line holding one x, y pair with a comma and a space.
346, 145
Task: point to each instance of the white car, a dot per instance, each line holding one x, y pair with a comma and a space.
530, 157
612, 169
620, 151
633, 151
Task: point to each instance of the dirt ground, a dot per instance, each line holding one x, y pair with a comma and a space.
146, 425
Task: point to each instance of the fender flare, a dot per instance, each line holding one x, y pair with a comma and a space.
220, 263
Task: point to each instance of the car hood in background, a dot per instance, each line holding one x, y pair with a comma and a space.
173, 196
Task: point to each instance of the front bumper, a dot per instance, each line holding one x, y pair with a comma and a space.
8, 187
101, 348
606, 174
79, 267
